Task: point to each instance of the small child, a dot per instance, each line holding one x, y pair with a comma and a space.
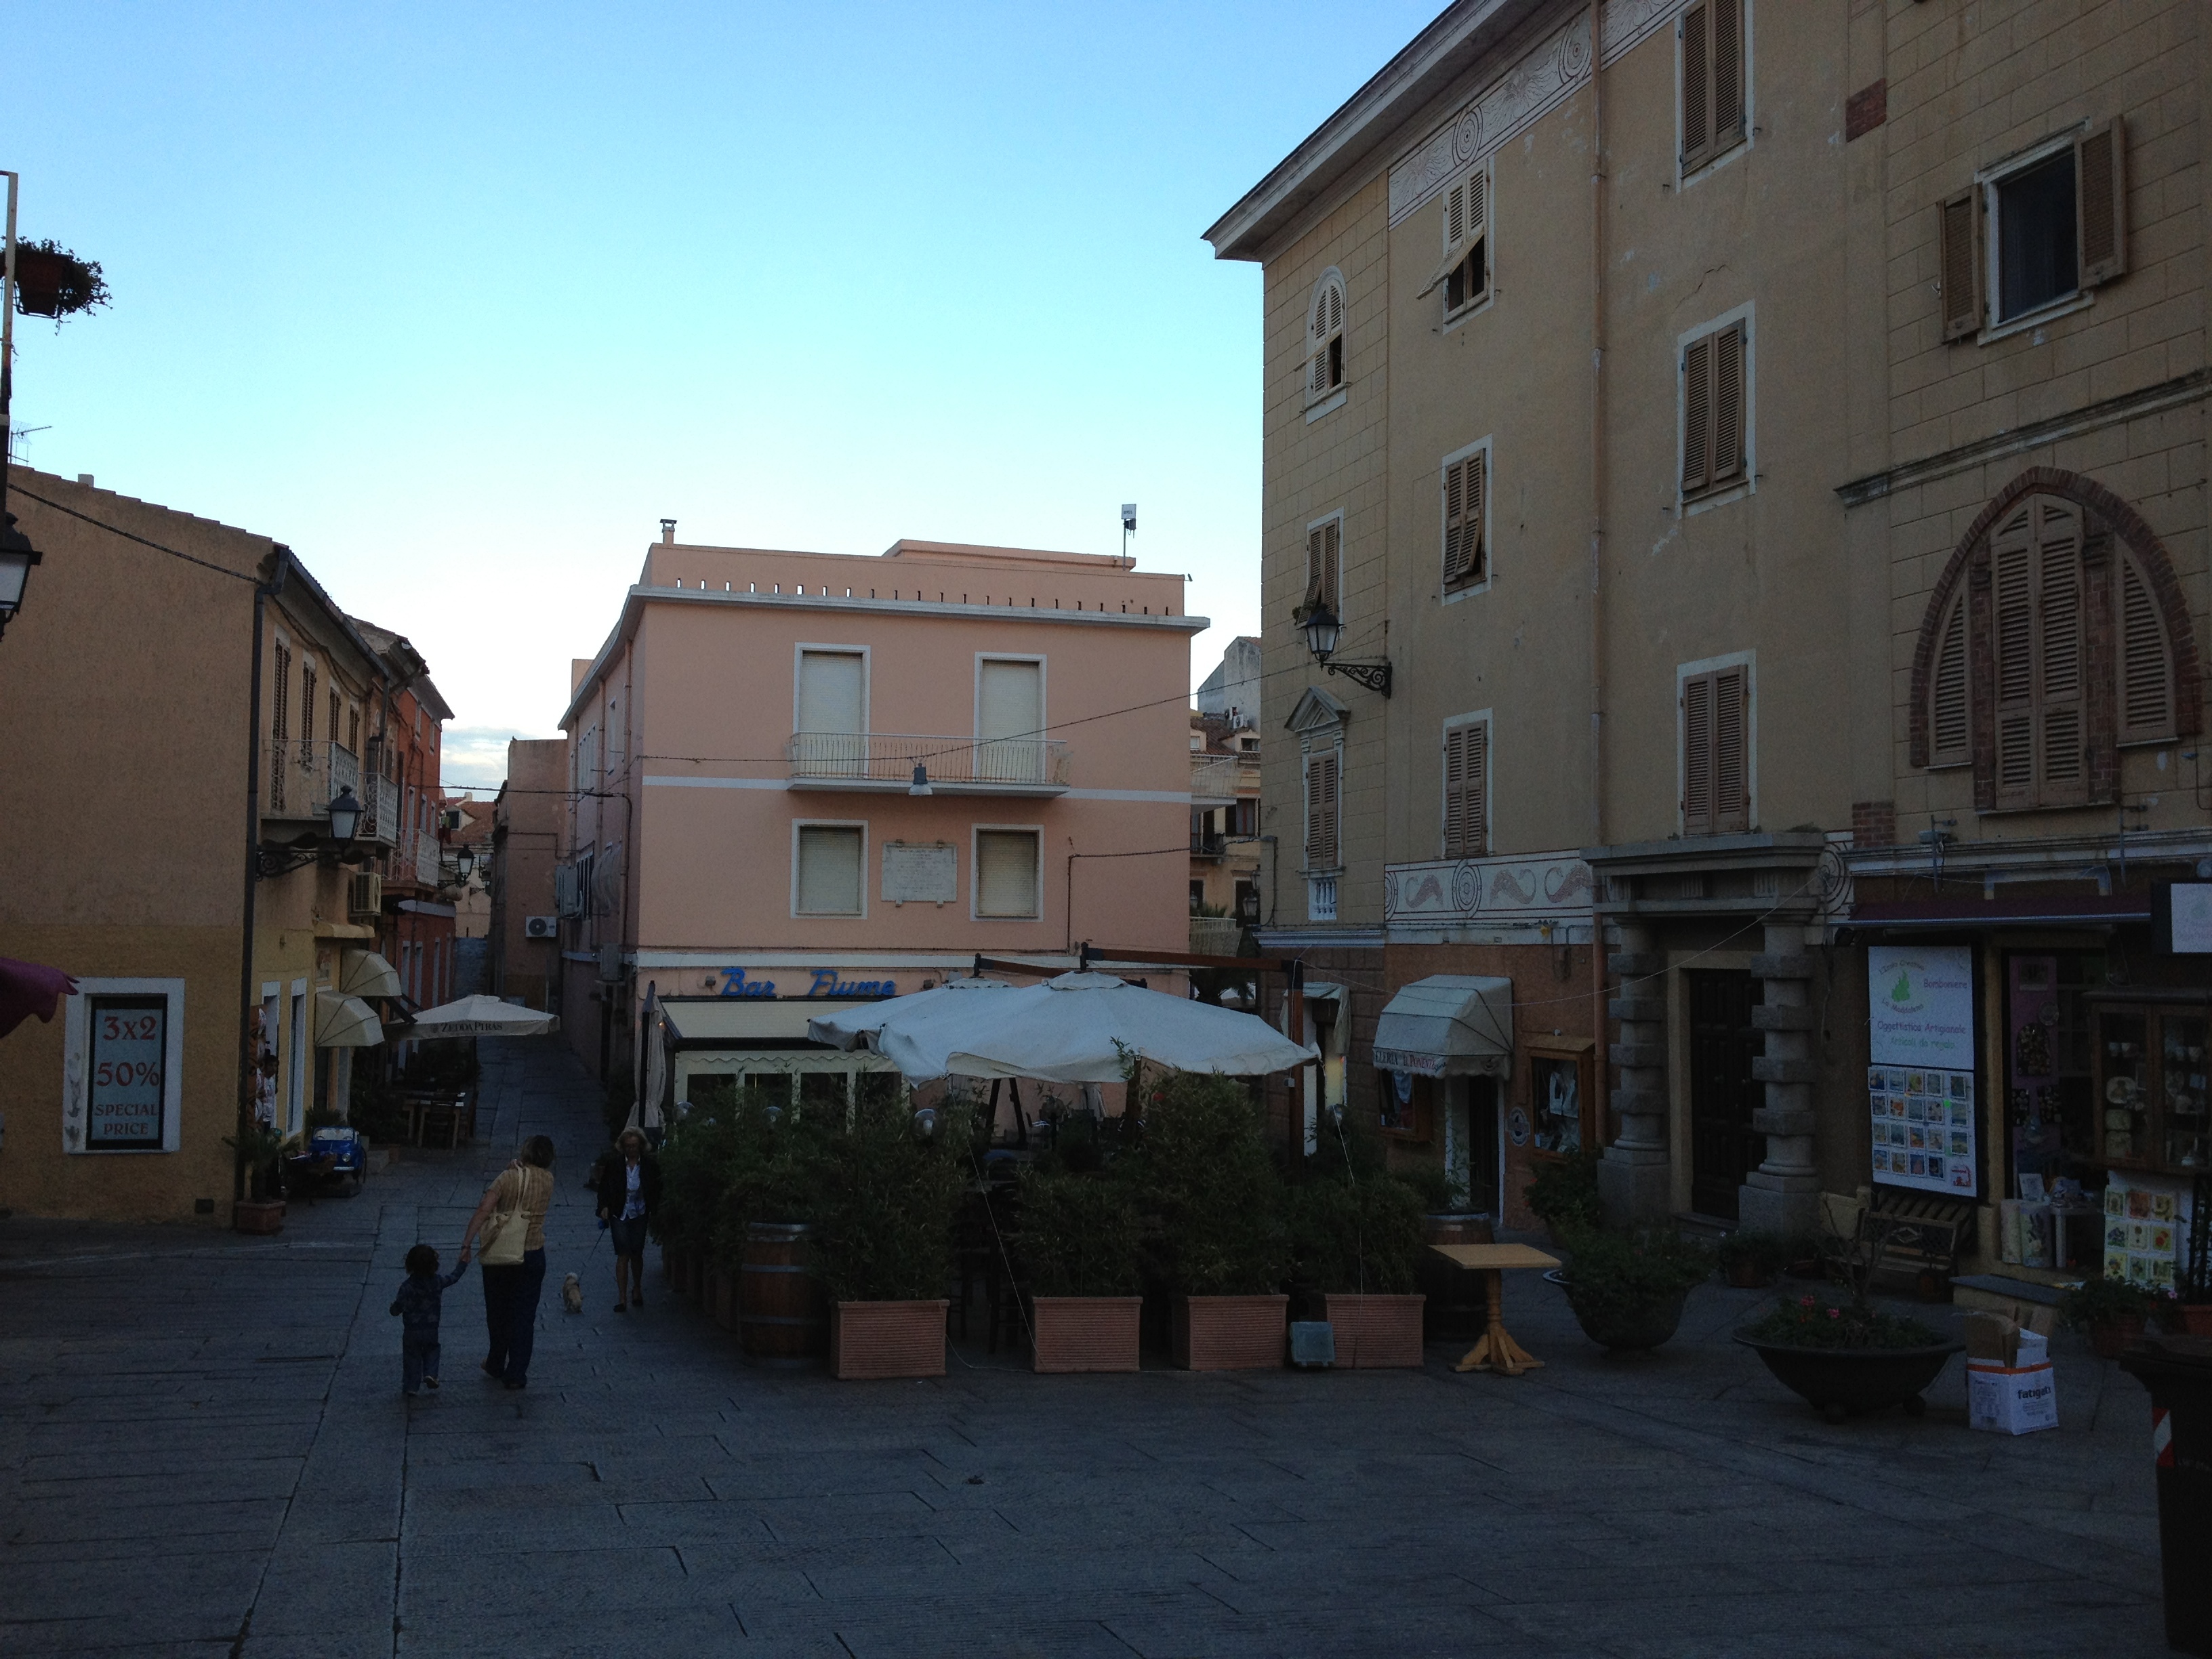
417, 1305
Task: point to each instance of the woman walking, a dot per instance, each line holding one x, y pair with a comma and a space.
520, 1196
627, 1181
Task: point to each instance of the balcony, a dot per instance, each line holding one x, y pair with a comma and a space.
429, 860
380, 813
304, 776
884, 763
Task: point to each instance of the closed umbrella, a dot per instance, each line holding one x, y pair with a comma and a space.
481, 1016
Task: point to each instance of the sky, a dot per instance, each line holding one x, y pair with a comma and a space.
460, 300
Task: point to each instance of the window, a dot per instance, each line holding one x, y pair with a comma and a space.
1466, 789
1464, 275
335, 702
1010, 719
1197, 896
1716, 371
1711, 33
1325, 565
307, 703
1006, 872
1323, 768
831, 713
123, 1076
1467, 522
1325, 337
829, 858
280, 703
1715, 713
2035, 233
352, 727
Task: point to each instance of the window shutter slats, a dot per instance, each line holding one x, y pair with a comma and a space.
1478, 202
1454, 522
1726, 74
1731, 792
1697, 85
2011, 573
1961, 276
1321, 810
1471, 540
1697, 755
2058, 692
1696, 416
1474, 792
1332, 564
1456, 792
2146, 662
2100, 202
1948, 721
1455, 216
1727, 404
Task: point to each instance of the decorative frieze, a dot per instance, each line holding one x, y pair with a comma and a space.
1520, 890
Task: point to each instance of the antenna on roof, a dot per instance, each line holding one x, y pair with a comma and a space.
1129, 525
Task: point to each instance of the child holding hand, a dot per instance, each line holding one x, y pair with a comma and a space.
417, 1307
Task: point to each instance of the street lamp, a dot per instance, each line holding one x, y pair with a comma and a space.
345, 815
1324, 632
466, 862
17, 556
920, 784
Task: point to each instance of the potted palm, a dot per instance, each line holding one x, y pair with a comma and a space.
697, 1166
1202, 1172
261, 1150
1076, 1252
1627, 1289
890, 1184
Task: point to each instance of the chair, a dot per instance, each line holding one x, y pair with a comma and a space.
441, 1124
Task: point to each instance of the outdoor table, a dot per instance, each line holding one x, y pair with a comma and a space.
1495, 1350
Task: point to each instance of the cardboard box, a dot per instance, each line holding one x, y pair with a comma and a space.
2010, 1399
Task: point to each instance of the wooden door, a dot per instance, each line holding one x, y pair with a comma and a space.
1723, 1146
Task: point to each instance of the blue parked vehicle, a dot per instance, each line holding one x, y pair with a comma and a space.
337, 1153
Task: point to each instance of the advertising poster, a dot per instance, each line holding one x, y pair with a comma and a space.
1920, 1080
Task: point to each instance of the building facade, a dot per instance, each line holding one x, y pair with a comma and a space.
800, 777
416, 929
1647, 384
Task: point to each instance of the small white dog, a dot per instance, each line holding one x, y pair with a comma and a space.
572, 1294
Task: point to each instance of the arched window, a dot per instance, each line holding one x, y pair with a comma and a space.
1325, 337
2055, 637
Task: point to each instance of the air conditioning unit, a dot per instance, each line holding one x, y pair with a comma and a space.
365, 895
541, 927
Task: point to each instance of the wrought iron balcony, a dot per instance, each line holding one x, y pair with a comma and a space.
884, 762
304, 776
1217, 780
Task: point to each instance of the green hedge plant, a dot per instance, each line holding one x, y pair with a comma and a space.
1201, 1169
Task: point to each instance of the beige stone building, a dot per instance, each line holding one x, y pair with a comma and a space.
529, 818
1638, 435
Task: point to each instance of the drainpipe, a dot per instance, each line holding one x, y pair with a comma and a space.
268, 588
1597, 547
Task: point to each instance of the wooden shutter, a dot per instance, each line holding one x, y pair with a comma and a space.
1324, 565
1005, 873
1716, 752
1467, 776
2146, 661
1321, 799
1696, 416
1715, 387
1465, 487
1726, 74
1697, 84
1697, 755
307, 706
1949, 723
334, 714
1958, 225
1729, 360
2011, 579
280, 705
2100, 201
2061, 648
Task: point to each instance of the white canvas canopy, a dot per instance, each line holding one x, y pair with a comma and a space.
344, 1022
1078, 1027
1447, 1025
481, 1016
851, 1028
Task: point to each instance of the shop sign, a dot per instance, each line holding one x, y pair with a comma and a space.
2182, 917
130, 1040
1920, 1085
825, 982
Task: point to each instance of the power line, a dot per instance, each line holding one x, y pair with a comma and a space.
117, 530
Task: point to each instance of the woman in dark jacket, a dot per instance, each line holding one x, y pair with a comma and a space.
627, 1181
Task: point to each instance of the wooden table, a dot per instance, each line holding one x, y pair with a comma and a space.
1495, 1351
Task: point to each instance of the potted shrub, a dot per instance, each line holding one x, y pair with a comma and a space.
890, 1185
1200, 1168
2179, 1315
1564, 1196
1855, 1358
2113, 1311
261, 1150
52, 281
1076, 1249
1355, 1241
1627, 1289
698, 1164
1752, 1260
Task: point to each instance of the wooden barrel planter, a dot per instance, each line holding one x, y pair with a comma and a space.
783, 1314
1455, 1304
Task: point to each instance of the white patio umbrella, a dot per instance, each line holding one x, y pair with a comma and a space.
481, 1016
1080, 1028
851, 1028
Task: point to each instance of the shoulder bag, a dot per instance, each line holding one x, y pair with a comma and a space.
500, 1240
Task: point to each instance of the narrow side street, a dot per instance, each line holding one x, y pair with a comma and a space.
204, 1450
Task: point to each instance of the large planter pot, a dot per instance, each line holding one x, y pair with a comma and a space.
782, 1312
1749, 1275
1633, 1330
1842, 1382
1455, 1304
1376, 1331
2193, 1319
2110, 1337
1230, 1333
1084, 1333
259, 1215
870, 1340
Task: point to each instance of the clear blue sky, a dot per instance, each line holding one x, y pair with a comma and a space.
459, 300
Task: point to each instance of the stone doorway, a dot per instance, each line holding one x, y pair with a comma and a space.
1723, 1146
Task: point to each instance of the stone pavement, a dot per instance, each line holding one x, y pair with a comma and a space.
204, 1450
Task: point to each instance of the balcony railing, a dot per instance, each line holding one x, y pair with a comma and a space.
1217, 779
380, 815
956, 766
427, 860
305, 776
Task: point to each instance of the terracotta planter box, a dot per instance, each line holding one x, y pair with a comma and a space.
1085, 1333
870, 1340
1376, 1331
265, 1215
1231, 1333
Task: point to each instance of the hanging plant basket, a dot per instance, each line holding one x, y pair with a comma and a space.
52, 282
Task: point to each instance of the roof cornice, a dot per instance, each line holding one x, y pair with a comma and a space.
1365, 125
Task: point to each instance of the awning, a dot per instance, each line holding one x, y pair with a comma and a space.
1447, 1025
2012, 910
365, 974
344, 1022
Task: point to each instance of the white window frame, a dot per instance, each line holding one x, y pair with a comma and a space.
975, 692
1987, 181
866, 654
1336, 599
299, 1040
1467, 591
1747, 314
1748, 661
1330, 397
976, 833
1706, 170
860, 915
1488, 167
1479, 717
76, 1064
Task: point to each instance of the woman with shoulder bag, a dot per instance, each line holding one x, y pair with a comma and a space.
627, 1181
511, 1220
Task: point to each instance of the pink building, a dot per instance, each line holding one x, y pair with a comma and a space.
807, 777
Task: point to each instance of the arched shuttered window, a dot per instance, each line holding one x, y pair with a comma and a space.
1325, 337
